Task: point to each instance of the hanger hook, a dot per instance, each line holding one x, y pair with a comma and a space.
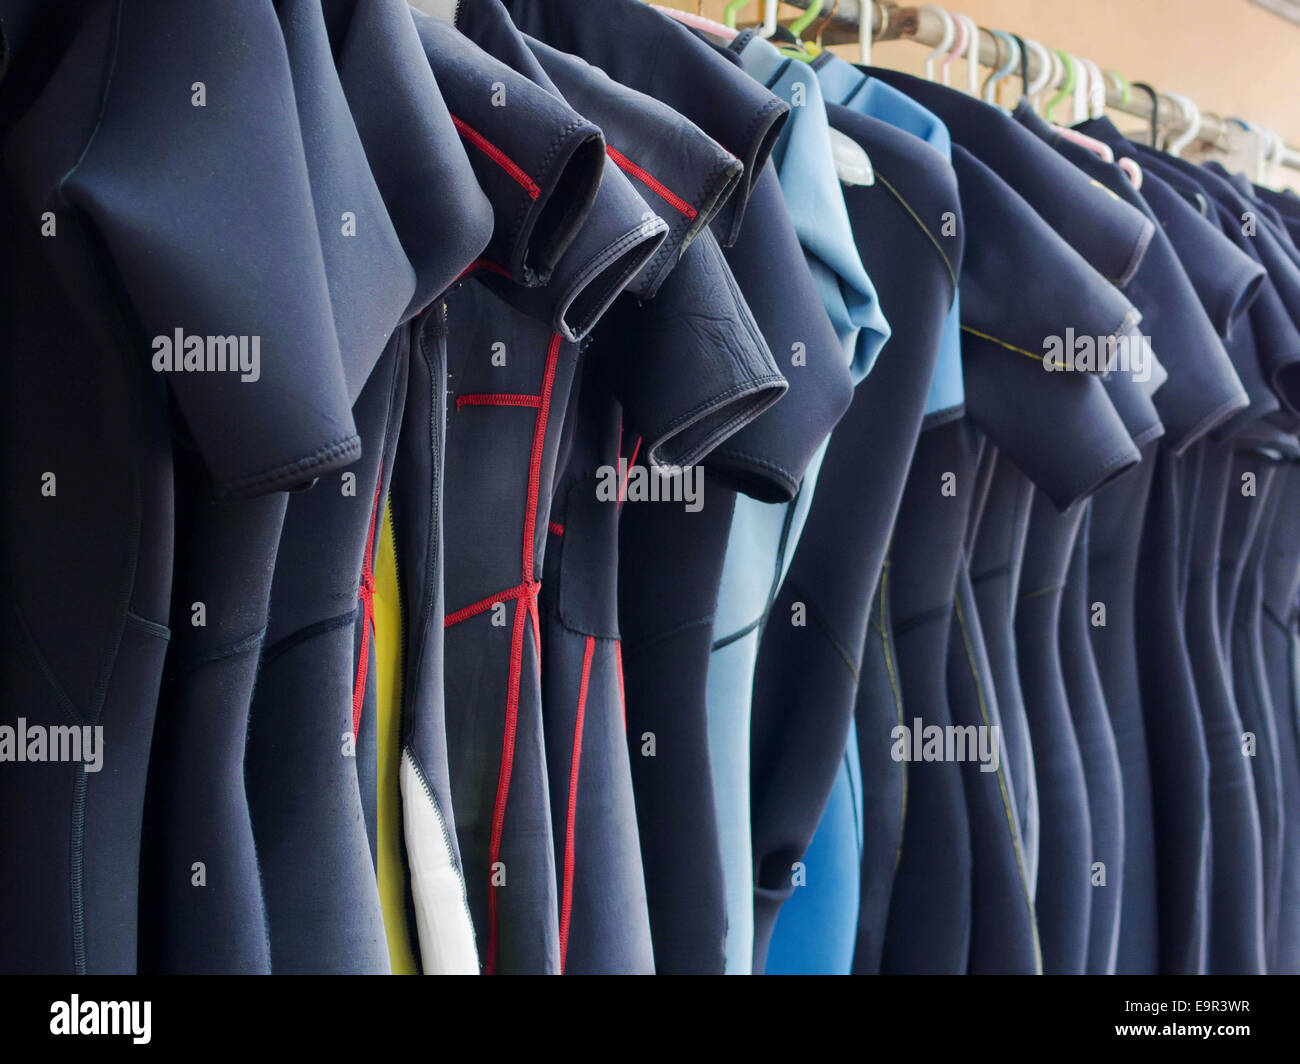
821, 26
1066, 86
1024, 64
729, 12
956, 49
1046, 69
1082, 86
1013, 56
1121, 85
1096, 89
805, 20
972, 54
1192, 118
949, 32
1142, 86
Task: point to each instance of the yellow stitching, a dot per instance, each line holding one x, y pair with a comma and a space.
1111, 193
1013, 347
898, 701
1002, 785
1040, 591
908, 207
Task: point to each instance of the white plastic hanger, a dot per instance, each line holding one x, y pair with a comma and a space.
1082, 80
866, 30
852, 163
949, 32
963, 33
1192, 119
1046, 68
1096, 89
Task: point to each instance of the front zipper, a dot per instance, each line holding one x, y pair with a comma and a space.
446, 841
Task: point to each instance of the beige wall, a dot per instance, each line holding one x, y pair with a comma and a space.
1231, 56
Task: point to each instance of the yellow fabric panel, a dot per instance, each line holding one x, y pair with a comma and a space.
393, 886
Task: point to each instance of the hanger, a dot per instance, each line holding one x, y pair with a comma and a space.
1057, 73
1082, 82
729, 12
771, 8
963, 33
821, 26
949, 32
866, 30
1100, 78
1099, 148
805, 20
1013, 57
1047, 67
1096, 89
1155, 110
1192, 116
726, 34
1276, 150
852, 163
1024, 64
1090, 77
1066, 88
972, 53
1121, 85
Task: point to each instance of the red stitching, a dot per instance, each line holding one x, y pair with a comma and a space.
618, 668
664, 192
535, 462
636, 447
503, 778
527, 590
484, 604
497, 399
570, 828
497, 156
537, 627
482, 264
366, 593
555, 528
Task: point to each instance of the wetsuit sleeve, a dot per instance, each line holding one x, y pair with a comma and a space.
371, 281
619, 233
1202, 389
766, 459
418, 159
1109, 234
1025, 303
538, 161
683, 173
646, 50
218, 267
691, 366
1226, 278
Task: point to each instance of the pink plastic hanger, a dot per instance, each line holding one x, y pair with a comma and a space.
1095, 146
1084, 71
1132, 171
962, 34
699, 22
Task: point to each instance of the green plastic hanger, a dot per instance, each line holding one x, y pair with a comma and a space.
805, 20
1125, 89
729, 13
1066, 88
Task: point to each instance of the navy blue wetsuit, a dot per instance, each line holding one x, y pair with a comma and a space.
159, 230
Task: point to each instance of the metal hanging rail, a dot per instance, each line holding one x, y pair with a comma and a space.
926, 26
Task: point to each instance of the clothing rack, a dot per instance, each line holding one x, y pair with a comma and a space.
926, 26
